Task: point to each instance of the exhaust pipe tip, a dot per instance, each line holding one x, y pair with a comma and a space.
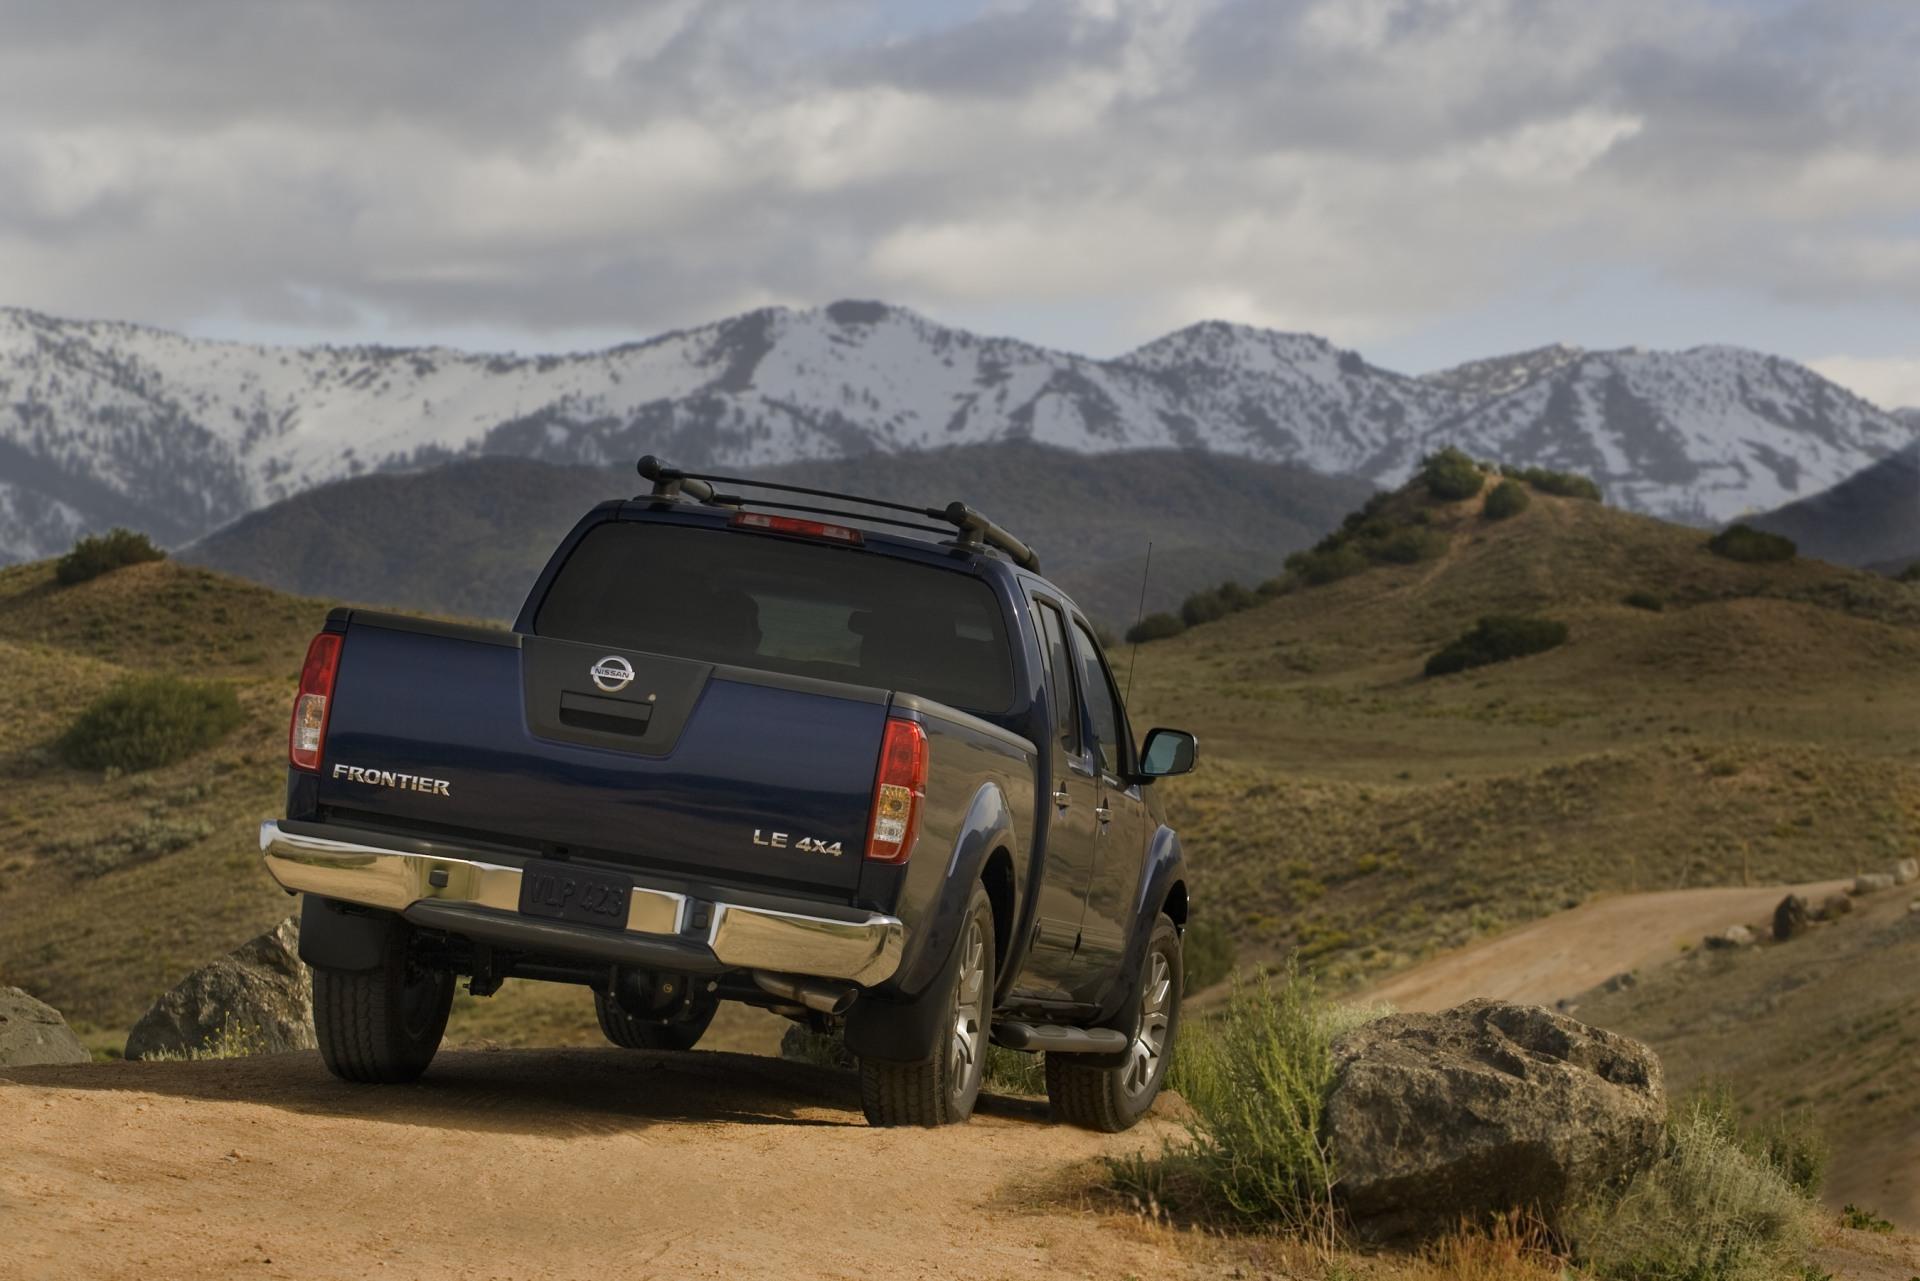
833, 999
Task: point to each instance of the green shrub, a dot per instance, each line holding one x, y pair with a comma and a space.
1509, 498
1320, 567
1644, 600
1256, 1075
149, 721
1203, 607
1407, 546
1864, 1220
94, 556
1155, 627
1911, 574
1207, 953
1754, 546
1561, 484
1451, 476
1707, 1210
1495, 639
1235, 597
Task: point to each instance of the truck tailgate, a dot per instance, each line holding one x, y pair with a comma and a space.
551, 745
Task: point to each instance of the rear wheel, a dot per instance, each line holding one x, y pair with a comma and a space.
1111, 1099
943, 1090
382, 1026
630, 1032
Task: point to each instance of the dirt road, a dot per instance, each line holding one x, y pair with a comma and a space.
537, 1164
1569, 952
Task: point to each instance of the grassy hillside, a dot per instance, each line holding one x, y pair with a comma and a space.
1758, 726
469, 538
1761, 725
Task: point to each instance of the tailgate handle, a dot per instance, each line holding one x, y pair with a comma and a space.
608, 715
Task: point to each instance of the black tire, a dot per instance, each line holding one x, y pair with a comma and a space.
382, 1026
631, 1032
1111, 1099
943, 1090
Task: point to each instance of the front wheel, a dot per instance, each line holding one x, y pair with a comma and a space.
943, 1090
382, 1026
1111, 1099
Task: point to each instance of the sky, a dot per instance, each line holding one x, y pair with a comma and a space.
1426, 181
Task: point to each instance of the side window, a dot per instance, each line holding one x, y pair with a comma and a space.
1066, 712
1103, 706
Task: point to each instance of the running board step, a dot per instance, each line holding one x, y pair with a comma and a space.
1055, 1039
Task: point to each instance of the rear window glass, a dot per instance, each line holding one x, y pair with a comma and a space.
784, 605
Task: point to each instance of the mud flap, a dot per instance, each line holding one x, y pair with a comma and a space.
334, 937
904, 1030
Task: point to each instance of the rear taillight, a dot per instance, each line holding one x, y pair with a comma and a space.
308, 735
899, 792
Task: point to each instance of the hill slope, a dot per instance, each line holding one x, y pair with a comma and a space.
1871, 519
104, 423
492, 523
1759, 728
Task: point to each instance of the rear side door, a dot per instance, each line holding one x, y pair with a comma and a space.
1120, 822
1074, 795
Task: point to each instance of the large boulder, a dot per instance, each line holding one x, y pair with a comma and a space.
1872, 882
1482, 1109
31, 1031
1906, 871
257, 999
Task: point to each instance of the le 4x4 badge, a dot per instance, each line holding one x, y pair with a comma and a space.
805, 845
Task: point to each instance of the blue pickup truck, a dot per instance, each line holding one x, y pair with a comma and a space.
749, 749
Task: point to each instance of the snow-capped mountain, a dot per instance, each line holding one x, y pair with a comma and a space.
105, 423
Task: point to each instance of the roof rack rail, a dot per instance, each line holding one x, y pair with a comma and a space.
975, 530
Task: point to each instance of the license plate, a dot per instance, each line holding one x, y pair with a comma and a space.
562, 892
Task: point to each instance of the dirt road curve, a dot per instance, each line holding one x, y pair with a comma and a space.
536, 1164
1565, 954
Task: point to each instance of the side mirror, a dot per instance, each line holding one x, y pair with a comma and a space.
1168, 751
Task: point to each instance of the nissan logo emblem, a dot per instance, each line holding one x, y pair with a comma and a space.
612, 673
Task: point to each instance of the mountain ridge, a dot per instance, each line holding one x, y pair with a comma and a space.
108, 422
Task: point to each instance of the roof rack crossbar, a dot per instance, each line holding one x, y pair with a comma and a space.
976, 530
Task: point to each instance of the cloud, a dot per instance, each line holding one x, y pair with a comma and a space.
1890, 382
1366, 167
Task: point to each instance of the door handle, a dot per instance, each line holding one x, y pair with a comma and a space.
1063, 799
1103, 812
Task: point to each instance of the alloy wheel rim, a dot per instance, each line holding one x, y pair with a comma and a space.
1150, 1041
969, 998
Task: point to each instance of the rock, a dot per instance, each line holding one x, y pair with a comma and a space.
1436, 1118
1621, 981
1833, 907
1906, 871
258, 999
1872, 882
31, 1031
1732, 936
1790, 918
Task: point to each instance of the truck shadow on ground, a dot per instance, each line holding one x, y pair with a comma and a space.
578, 1091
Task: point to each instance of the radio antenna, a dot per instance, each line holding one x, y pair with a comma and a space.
1139, 615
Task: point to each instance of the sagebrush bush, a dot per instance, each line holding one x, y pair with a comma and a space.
1495, 639
1643, 600
1155, 627
1754, 546
1911, 574
1321, 566
1207, 953
96, 555
1509, 498
1408, 545
1256, 1076
1707, 1210
149, 721
1561, 484
1451, 476
1203, 607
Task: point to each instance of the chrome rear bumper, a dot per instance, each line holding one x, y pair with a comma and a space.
865, 951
